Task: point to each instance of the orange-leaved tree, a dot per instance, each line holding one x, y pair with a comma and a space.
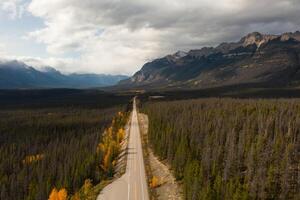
62, 194
120, 135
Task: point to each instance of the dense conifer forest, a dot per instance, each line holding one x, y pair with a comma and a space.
229, 148
56, 150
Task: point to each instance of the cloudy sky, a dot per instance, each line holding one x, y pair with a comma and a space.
118, 36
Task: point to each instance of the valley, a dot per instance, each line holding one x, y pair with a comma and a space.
149, 100
69, 143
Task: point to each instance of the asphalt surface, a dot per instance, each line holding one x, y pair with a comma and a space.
133, 184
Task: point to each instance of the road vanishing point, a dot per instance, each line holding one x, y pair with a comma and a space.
133, 184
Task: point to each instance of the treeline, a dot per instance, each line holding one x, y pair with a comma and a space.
230, 149
54, 153
57, 98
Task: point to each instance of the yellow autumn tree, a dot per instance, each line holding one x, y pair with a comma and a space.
120, 135
54, 194
100, 147
154, 182
120, 114
87, 186
110, 145
110, 132
33, 158
106, 159
76, 196
62, 194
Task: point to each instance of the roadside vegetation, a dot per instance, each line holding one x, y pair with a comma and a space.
162, 183
59, 152
229, 148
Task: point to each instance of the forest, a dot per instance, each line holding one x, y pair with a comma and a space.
58, 151
223, 148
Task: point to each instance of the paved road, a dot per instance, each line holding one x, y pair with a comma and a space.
132, 185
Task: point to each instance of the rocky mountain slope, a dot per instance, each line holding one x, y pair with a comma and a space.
256, 58
14, 74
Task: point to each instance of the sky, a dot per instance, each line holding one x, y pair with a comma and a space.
119, 36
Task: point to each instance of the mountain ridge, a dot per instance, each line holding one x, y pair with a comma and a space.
255, 58
16, 75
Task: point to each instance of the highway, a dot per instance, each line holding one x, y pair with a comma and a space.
133, 184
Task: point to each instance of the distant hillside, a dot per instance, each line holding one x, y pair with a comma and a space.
15, 74
257, 58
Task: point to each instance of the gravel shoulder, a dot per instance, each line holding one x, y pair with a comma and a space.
168, 188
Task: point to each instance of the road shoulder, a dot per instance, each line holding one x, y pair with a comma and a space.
166, 187
119, 179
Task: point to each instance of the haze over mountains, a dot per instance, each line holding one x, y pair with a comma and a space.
15, 74
271, 60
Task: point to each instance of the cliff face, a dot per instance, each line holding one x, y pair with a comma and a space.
256, 58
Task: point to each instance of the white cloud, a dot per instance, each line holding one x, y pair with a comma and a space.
118, 36
116, 51
14, 8
2, 50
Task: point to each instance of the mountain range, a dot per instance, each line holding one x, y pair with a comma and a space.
271, 60
16, 74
